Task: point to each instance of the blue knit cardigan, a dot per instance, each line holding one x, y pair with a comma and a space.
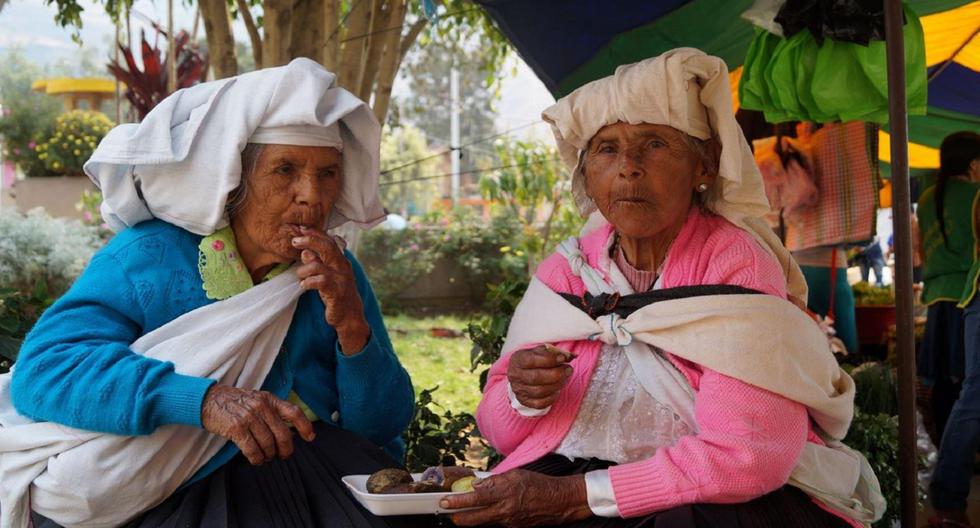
76, 367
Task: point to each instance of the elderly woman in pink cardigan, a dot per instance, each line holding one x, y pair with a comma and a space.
656, 372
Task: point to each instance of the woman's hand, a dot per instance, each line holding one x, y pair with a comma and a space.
522, 498
537, 375
255, 421
325, 269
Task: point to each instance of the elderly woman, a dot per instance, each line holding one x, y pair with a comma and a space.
655, 373
232, 350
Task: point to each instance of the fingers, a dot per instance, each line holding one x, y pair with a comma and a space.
250, 448
540, 376
323, 245
487, 496
535, 391
255, 421
282, 436
295, 416
540, 357
263, 436
481, 496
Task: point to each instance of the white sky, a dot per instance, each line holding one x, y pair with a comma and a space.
30, 25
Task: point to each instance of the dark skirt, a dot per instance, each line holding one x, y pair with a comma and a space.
940, 363
942, 352
784, 507
304, 490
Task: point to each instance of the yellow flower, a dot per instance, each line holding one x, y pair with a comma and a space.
78, 141
56, 165
76, 152
42, 156
64, 145
505, 249
71, 137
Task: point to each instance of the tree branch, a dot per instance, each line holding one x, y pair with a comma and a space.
253, 32
409, 40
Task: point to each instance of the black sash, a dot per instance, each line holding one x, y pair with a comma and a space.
625, 305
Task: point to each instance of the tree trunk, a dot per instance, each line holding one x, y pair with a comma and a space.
390, 58
308, 31
331, 44
354, 54
253, 32
221, 44
276, 23
375, 40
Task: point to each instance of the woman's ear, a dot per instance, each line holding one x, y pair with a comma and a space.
708, 169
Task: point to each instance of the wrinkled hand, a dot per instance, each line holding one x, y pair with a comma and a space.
325, 269
537, 375
255, 421
522, 498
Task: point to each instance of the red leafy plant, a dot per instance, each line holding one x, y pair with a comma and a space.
147, 87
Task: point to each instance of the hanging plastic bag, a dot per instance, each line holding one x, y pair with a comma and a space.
856, 21
763, 13
796, 79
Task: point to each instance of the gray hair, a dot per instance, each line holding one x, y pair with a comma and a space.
250, 161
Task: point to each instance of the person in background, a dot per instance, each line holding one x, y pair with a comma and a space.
951, 350
916, 251
830, 295
872, 258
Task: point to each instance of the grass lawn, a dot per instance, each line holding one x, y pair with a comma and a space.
435, 361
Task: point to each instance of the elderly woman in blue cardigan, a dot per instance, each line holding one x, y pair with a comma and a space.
225, 188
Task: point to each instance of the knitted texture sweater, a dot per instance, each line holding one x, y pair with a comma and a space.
748, 439
76, 367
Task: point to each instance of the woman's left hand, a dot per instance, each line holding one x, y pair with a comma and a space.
325, 269
522, 498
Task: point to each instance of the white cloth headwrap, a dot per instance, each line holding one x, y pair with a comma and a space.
687, 90
182, 160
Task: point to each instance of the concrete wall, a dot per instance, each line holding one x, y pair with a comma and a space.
56, 194
445, 288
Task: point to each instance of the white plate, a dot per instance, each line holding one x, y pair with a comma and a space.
399, 503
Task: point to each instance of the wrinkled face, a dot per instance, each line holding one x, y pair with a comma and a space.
291, 186
642, 177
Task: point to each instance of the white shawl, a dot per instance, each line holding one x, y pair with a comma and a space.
759, 339
84, 478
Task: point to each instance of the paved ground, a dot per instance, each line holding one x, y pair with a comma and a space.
973, 506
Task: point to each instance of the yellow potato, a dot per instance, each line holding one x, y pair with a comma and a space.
463, 484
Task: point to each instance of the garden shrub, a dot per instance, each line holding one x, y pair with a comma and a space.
40, 257
73, 140
395, 259
434, 438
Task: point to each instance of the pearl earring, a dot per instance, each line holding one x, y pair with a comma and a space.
703, 187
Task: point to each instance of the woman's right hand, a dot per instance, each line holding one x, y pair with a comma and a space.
255, 421
537, 375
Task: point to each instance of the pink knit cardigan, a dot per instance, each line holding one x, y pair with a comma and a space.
748, 439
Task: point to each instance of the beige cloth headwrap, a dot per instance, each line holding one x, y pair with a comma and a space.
688, 90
